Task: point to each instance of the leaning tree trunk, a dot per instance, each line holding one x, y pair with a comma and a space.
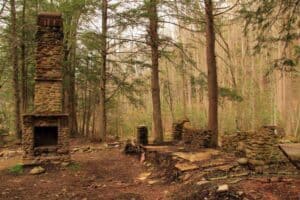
154, 43
212, 73
102, 107
14, 57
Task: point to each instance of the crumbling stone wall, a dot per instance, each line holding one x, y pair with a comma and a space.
261, 145
195, 139
235, 143
177, 129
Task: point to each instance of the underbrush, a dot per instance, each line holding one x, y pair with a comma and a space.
17, 169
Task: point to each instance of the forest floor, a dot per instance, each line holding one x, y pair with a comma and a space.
104, 174
107, 173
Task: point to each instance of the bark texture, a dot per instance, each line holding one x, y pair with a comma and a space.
24, 77
154, 43
212, 73
102, 108
14, 58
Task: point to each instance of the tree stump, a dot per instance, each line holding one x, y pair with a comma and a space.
142, 135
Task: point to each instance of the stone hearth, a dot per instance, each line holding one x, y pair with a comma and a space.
45, 131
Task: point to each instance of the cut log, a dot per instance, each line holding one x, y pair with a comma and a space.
292, 152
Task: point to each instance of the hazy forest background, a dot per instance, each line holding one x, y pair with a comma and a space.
257, 52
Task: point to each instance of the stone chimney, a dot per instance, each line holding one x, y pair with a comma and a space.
48, 79
45, 131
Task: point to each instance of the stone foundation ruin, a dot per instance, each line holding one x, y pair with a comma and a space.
195, 139
45, 131
177, 129
258, 145
192, 139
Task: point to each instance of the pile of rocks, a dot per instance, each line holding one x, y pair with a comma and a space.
177, 129
260, 145
195, 139
235, 143
132, 148
5, 154
263, 145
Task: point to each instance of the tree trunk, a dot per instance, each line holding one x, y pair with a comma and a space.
212, 72
84, 107
69, 99
23, 64
14, 58
102, 107
72, 101
171, 104
88, 114
86, 96
73, 63
154, 43
182, 61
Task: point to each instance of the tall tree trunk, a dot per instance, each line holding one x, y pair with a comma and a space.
72, 93
171, 104
84, 109
184, 88
23, 64
154, 43
88, 114
102, 107
85, 94
182, 61
69, 99
14, 57
212, 72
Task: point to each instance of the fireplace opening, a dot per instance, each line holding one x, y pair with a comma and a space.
45, 136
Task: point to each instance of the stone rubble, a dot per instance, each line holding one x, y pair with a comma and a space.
259, 147
177, 129
195, 139
5, 154
223, 188
37, 170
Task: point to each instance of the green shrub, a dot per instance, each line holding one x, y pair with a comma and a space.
74, 166
17, 169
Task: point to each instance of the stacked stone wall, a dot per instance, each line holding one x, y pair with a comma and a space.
48, 97
49, 56
258, 145
195, 139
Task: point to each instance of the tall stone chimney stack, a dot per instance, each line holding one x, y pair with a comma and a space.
48, 79
45, 136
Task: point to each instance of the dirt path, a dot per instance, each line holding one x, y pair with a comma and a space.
106, 174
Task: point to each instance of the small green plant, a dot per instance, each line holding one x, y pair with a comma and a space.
74, 166
17, 169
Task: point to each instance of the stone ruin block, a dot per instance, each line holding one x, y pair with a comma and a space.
258, 145
235, 143
177, 129
195, 139
46, 131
